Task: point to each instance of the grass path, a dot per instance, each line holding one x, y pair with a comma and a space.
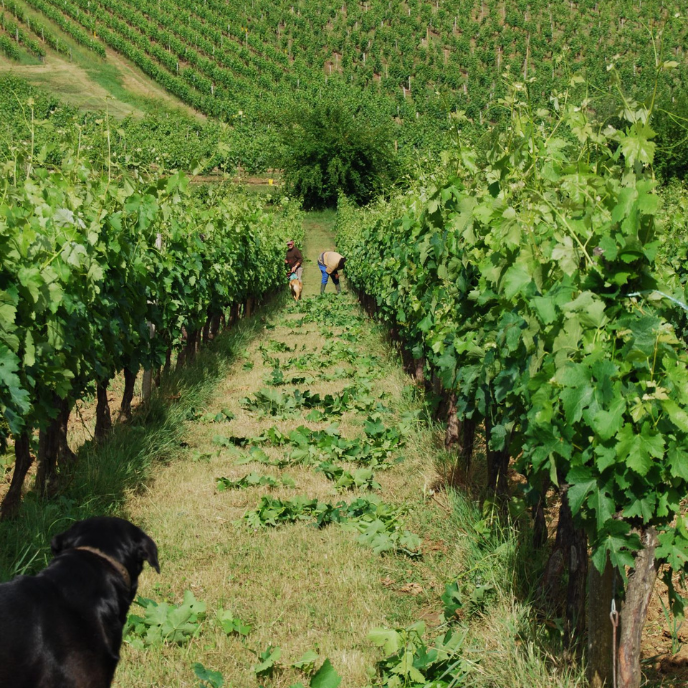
300, 588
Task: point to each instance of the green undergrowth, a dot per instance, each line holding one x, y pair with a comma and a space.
487, 628
377, 448
254, 480
378, 524
106, 473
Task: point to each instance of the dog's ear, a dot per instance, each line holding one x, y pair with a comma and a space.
148, 551
62, 541
57, 544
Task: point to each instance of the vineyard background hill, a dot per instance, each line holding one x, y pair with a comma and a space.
252, 64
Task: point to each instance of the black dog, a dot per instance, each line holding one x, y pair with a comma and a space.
63, 627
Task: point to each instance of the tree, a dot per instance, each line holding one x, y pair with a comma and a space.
338, 147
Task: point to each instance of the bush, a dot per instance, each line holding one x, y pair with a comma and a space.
336, 148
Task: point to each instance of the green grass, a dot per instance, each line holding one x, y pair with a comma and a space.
110, 78
26, 58
107, 474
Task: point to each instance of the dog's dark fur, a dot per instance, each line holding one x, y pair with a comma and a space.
63, 627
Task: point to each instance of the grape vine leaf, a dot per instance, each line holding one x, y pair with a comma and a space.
326, 677
638, 450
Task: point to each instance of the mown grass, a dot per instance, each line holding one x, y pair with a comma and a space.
107, 475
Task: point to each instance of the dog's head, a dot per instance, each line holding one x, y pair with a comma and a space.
116, 538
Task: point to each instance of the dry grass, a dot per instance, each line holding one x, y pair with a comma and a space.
301, 588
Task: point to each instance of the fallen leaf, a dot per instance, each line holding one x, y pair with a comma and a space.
411, 588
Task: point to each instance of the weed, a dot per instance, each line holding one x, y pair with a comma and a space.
230, 624
411, 663
377, 523
324, 677
208, 678
257, 455
224, 416
359, 479
268, 663
254, 480
164, 622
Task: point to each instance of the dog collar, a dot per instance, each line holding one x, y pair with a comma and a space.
113, 562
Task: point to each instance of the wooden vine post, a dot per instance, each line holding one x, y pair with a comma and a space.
147, 379
600, 635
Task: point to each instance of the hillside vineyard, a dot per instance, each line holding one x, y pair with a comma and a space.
240, 59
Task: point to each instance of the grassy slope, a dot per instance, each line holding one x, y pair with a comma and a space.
91, 83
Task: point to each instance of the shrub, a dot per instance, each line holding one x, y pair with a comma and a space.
336, 148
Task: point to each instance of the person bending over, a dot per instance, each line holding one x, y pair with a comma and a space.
330, 263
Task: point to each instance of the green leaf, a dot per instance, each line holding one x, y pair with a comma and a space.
230, 624
451, 599
677, 461
213, 679
268, 658
607, 423
678, 416
565, 254
307, 661
617, 543
638, 449
545, 309
574, 400
385, 638
673, 546
636, 145
515, 279
326, 677
582, 483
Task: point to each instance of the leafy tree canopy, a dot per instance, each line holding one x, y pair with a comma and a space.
337, 146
